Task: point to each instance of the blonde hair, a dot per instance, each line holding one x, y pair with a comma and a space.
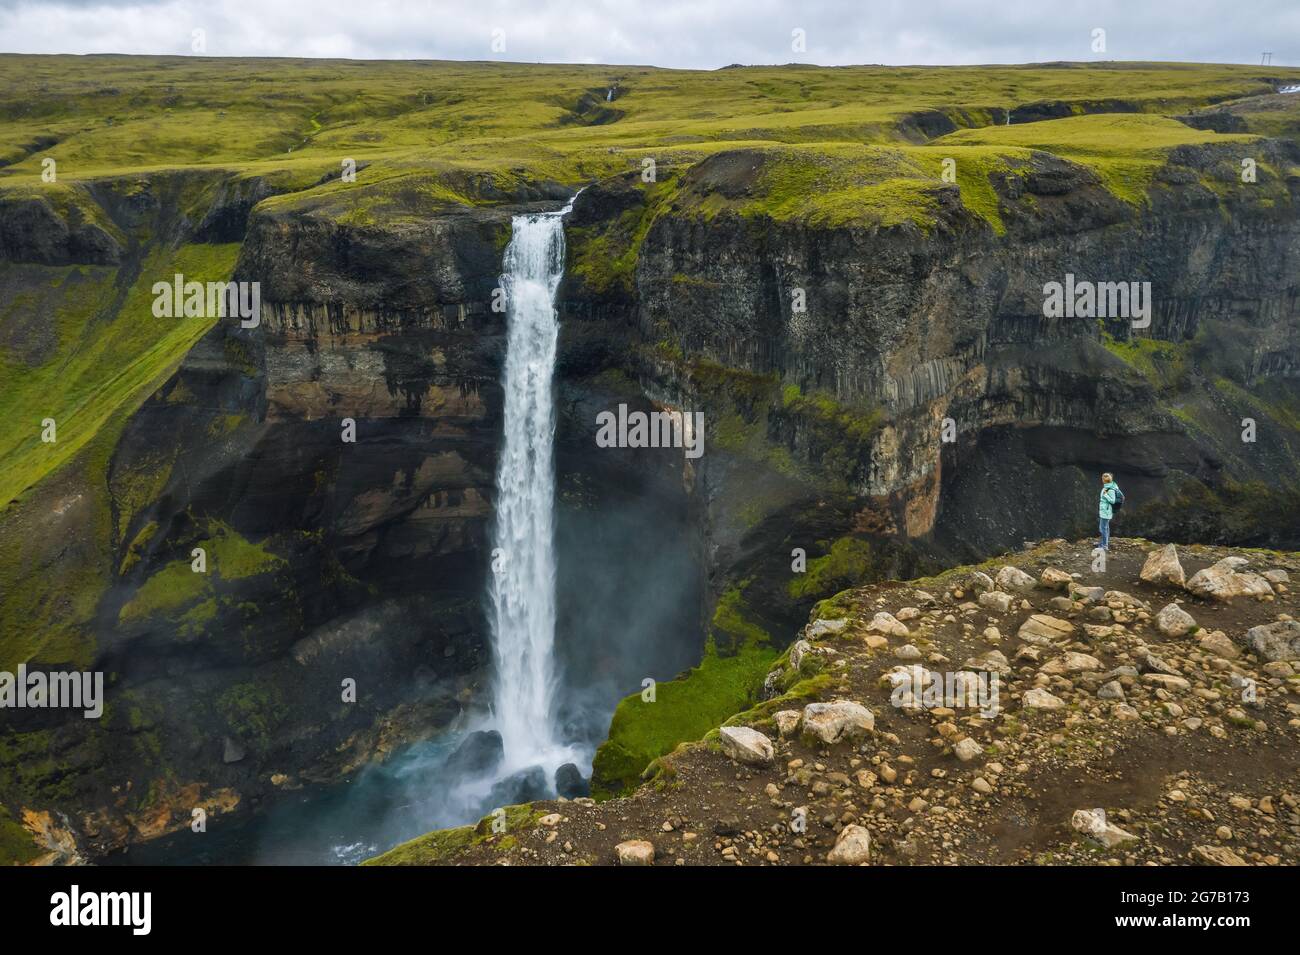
1107, 477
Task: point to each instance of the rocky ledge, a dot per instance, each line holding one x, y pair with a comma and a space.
1036, 709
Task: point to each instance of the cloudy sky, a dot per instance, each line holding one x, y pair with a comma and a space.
682, 33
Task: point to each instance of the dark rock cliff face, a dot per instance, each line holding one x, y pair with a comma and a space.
922, 326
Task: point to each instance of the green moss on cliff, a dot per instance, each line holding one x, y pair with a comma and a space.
253, 711
176, 586
848, 562
110, 353
736, 659
16, 844
443, 845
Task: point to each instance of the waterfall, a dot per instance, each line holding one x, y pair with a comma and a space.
522, 589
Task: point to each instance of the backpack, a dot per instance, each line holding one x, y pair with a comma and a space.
1119, 499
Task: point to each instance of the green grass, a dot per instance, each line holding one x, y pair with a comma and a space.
1124, 150
16, 844
177, 586
690, 706
472, 132
443, 845
1164, 364
844, 565
104, 356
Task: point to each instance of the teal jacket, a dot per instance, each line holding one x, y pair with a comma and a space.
1107, 499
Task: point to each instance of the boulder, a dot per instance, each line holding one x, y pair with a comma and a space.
569, 782
993, 661
1015, 579
787, 721
527, 785
1223, 582
832, 722
1041, 627
1055, 579
1174, 621
1092, 823
1072, 662
1277, 576
1114, 690
478, 754
1275, 641
1040, 699
1216, 855
1125, 600
1217, 642
886, 623
1166, 681
635, 852
996, 600
852, 847
747, 745
1087, 595
800, 649
1163, 568
821, 627
967, 749
981, 581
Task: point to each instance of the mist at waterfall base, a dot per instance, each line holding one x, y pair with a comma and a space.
602, 592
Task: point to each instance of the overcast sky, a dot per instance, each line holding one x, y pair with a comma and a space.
682, 33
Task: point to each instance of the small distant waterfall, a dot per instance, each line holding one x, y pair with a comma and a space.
522, 586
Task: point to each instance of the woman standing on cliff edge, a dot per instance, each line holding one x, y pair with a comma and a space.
1112, 498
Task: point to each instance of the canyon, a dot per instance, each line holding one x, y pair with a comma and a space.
810, 284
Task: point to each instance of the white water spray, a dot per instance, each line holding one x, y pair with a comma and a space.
523, 580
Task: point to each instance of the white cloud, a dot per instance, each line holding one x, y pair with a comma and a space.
680, 33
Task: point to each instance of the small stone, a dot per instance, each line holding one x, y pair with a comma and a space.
852, 847
996, 600
1040, 699
841, 719
1054, 579
1040, 627
967, 749
1093, 823
1014, 579
1114, 690
1216, 855
887, 624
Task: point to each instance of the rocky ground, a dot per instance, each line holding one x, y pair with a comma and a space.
1146, 714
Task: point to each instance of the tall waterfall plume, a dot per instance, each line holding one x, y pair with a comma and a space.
522, 586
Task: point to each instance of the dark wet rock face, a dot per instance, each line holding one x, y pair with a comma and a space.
569, 782
481, 753
521, 787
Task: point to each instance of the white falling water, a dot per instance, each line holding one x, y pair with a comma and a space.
523, 581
